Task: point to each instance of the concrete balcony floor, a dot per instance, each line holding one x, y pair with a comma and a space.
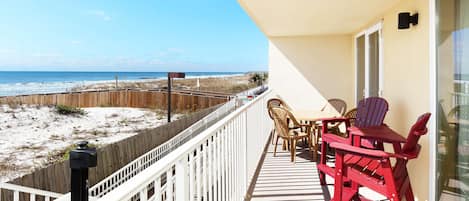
281, 179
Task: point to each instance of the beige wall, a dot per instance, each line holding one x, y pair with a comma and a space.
407, 82
308, 70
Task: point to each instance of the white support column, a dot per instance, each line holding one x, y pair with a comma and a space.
182, 181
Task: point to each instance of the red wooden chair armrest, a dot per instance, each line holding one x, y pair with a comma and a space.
349, 149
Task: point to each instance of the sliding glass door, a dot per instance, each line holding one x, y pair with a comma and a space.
368, 48
453, 99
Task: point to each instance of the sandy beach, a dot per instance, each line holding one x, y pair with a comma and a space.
223, 84
34, 136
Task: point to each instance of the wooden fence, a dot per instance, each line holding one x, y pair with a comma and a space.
180, 101
56, 177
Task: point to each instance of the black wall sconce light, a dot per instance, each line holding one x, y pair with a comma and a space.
405, 19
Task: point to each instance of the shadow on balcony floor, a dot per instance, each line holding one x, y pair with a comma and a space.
280, 179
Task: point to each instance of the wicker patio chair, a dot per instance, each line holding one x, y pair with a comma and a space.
276, 102
338, 105
335, 104
351, 115
281, 116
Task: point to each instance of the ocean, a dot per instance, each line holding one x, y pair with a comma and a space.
28, 82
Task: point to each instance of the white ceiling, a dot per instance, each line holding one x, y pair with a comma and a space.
314, 17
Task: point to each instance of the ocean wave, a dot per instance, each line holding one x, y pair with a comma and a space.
24, 88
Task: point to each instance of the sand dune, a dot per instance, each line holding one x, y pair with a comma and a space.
33, 136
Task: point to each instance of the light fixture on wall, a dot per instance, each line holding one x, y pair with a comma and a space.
405, 19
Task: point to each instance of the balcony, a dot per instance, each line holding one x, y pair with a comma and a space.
230, 160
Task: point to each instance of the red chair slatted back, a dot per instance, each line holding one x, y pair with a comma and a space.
371, 112
417, 130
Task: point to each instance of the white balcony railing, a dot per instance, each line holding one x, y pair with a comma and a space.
31, 192
149, 158
217, 164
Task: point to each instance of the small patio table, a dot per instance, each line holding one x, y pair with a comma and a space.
312, 116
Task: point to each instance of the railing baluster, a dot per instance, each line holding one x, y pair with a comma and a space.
236, 152
143, 194
169, 184
245, 151
182, 181
191, 176
204, 170
230, 157
219, 165
198, 177
215, 165
16, 195
223, 164
210, 168
157, 184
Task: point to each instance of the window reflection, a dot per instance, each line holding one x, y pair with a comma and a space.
453, 95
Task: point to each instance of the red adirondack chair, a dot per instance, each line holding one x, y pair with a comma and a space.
373, 168
370, 112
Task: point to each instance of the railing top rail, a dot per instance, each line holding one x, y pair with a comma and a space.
132, 186
13, 187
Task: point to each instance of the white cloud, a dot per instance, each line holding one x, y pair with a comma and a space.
100, 14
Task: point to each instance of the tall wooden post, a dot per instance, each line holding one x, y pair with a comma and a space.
169, 99
172, 75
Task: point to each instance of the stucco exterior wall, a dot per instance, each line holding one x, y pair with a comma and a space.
407, 82
308, 70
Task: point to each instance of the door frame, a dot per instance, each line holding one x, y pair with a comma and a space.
375, 28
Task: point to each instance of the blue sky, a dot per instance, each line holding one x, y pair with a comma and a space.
153, 35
